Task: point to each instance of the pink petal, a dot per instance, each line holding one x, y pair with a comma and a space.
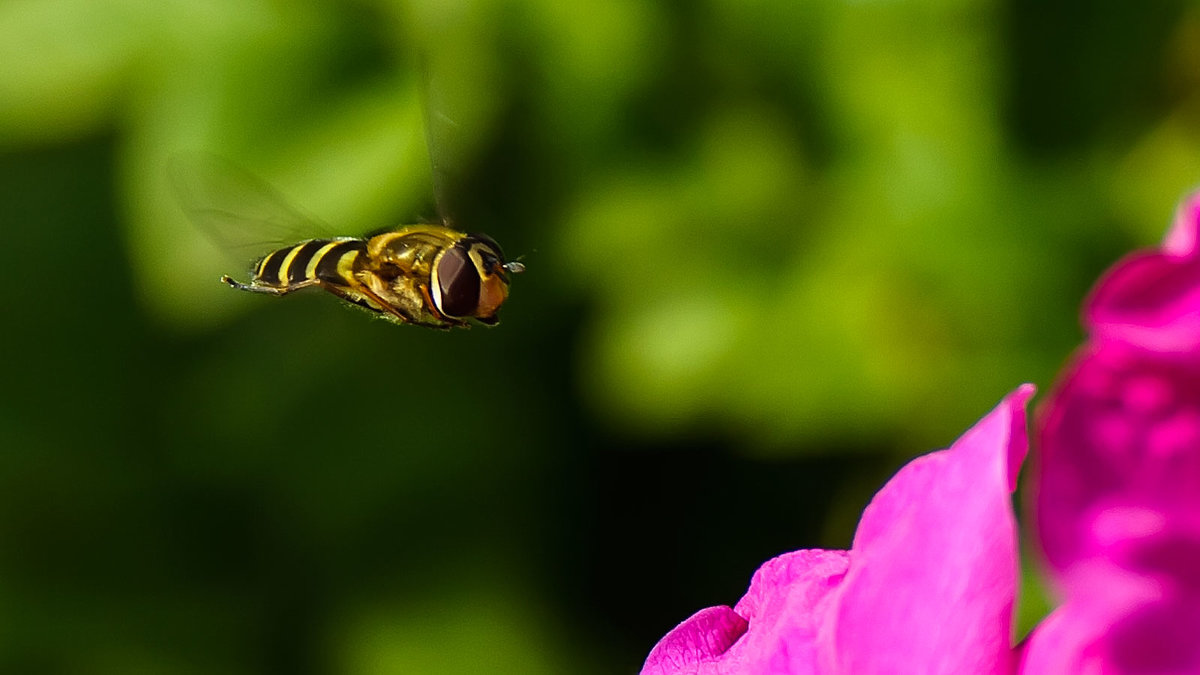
1152, 299
929, 589
787, 599
772, 630
1117, 494
1160, 636
1075, 637
1182, 238
696, 644
1064, 642
934, 563
1116, 621
1120, 453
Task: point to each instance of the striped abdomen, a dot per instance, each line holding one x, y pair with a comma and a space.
329, 260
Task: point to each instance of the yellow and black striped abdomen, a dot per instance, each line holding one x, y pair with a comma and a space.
329, 260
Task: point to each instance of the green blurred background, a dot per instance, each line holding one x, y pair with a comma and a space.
775, 248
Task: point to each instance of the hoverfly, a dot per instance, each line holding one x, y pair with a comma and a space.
427, 275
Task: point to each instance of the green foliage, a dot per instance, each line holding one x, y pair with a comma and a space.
764, 238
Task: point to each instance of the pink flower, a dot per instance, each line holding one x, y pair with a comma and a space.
929, 583
927, 587
1117, 495
1151, 299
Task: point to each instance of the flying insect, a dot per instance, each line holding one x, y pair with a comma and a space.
427, 275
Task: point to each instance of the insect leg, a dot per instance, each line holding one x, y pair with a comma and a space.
372, 296
343, 293
269, 290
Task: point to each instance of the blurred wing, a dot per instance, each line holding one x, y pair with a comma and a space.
241, 213
441, 132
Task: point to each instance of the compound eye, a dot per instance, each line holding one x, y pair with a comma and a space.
458, 284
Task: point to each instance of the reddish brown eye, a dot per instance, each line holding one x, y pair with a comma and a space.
458, 282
